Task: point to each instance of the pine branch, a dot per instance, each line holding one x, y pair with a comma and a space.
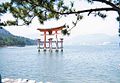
88, 10
110, 4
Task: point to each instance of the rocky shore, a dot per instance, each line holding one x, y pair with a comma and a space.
8, 80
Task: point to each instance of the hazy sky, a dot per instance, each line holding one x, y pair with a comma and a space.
88, 25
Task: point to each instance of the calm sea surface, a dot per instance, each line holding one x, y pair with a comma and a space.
77, 64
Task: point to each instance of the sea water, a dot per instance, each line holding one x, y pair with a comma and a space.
76, 64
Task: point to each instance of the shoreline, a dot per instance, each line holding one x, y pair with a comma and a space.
16, 46
19, 80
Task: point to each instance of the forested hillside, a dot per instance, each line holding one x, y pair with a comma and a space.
7, 39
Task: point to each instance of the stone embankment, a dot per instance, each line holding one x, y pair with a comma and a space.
8, 80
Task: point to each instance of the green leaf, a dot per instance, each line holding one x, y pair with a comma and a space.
72, 4
60, 4
65, 32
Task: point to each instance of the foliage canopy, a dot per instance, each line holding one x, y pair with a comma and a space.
27, 10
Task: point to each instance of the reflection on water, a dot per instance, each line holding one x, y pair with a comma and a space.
83, 64
51, 66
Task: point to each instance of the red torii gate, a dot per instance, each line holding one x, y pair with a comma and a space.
50, 32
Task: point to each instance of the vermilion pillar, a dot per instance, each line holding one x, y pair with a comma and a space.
56, 41
44, 40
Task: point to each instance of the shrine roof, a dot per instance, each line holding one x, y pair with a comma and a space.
51, 29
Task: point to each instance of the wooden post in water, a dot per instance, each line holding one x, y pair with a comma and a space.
38, 45
61, 44
50, 44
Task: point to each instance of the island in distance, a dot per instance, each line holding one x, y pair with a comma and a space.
8, 39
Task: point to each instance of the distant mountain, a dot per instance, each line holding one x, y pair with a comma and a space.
93, 39
4, 32
8, 39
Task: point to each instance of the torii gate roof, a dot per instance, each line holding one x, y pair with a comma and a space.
51, 29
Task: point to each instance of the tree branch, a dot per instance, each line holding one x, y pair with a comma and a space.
27, 23
110, 4
88, 10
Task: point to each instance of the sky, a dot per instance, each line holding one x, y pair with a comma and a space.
88, 25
